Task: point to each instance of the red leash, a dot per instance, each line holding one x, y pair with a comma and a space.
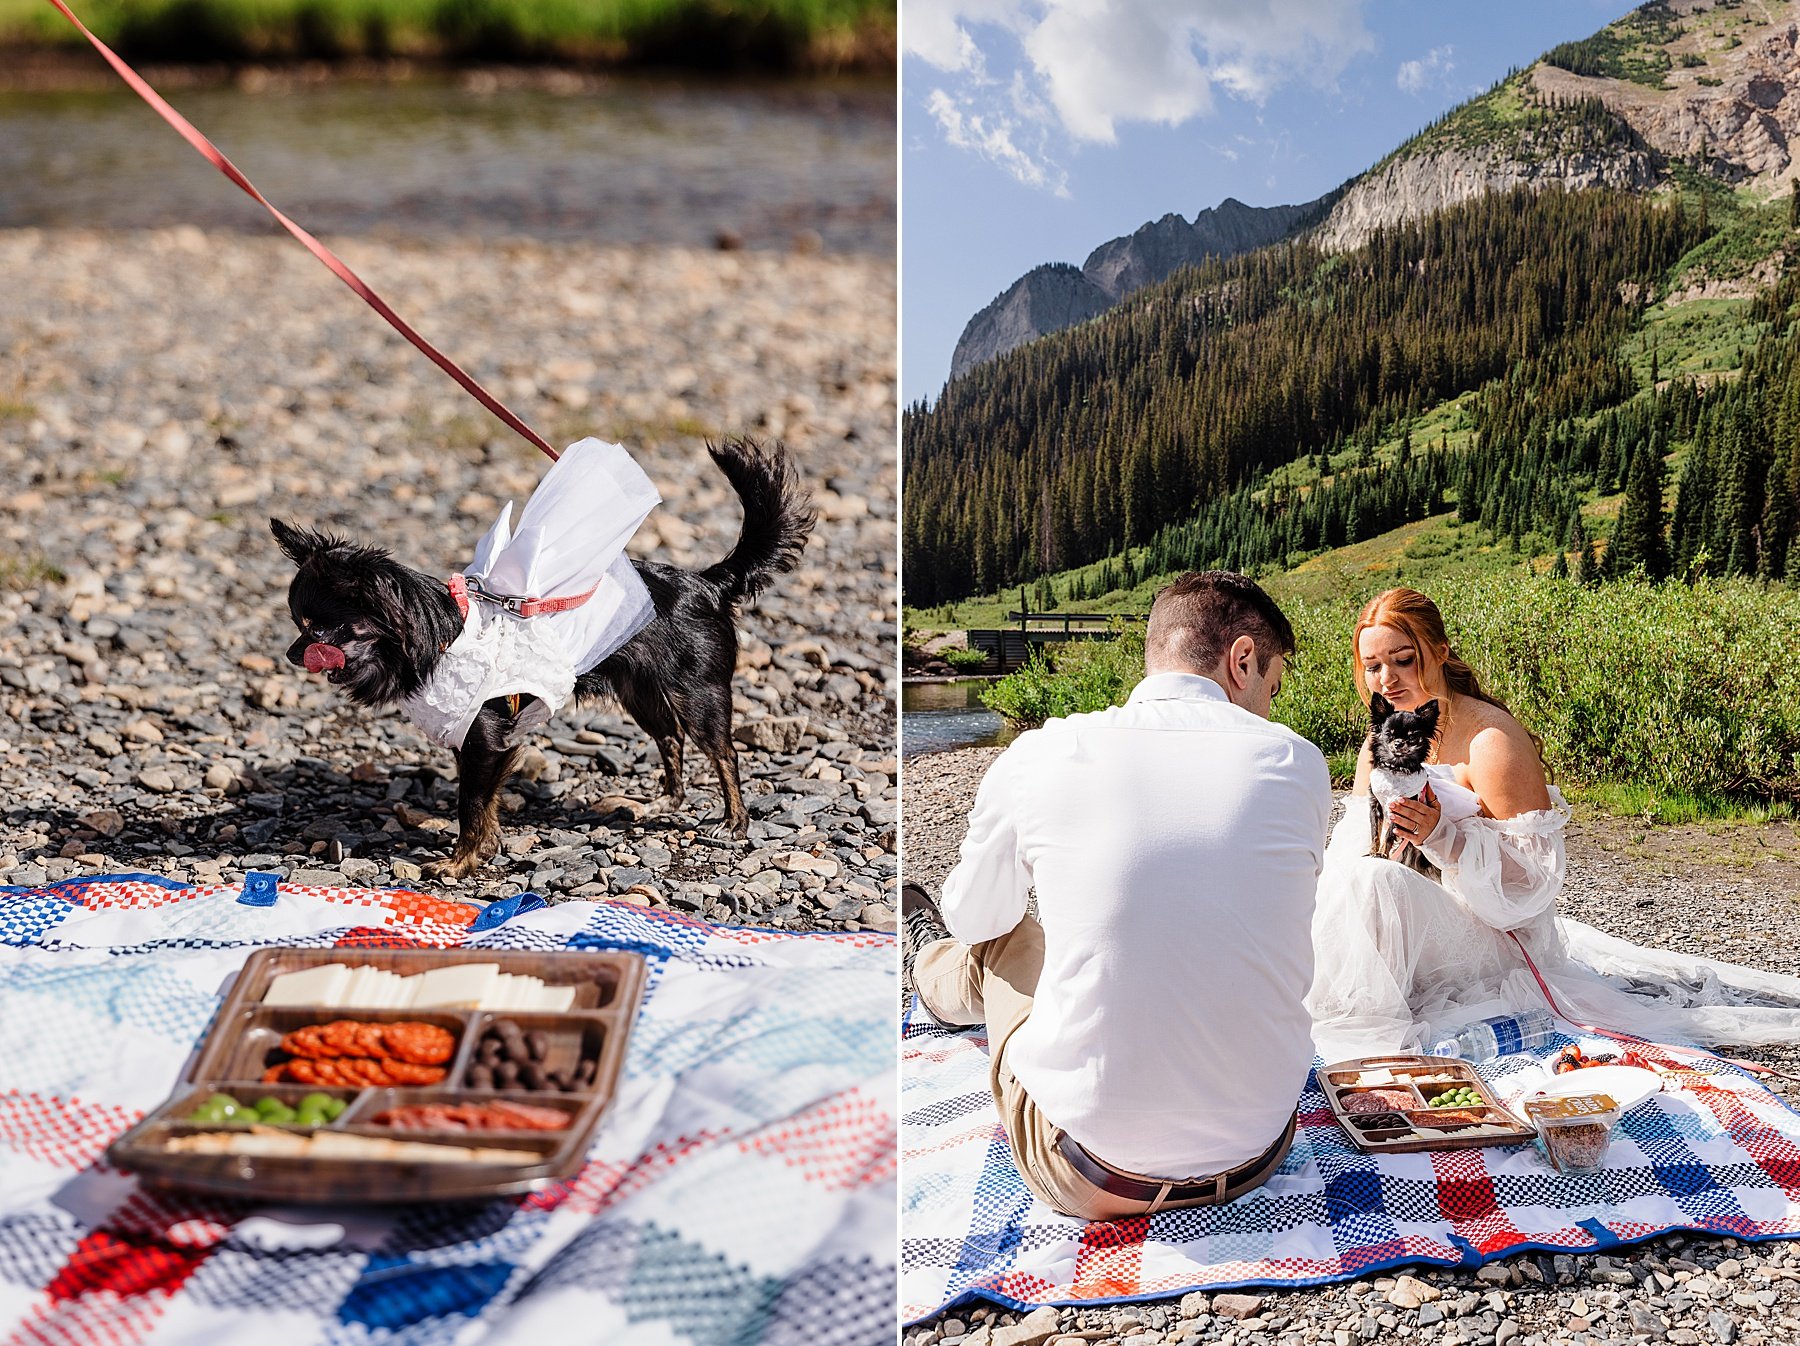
318, 249
1557, 1009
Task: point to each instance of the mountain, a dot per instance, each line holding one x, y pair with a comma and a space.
1711, 86
1686, 85
1505, 306
1056, 295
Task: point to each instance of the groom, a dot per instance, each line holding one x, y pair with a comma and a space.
1146, 1032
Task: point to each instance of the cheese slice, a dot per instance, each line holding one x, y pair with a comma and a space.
458, 986
323, 985
556, 998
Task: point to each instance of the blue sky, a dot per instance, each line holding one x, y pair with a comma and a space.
1034, 130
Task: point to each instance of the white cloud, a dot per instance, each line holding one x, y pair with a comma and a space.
933, 30
1090, 65
990, 135
1433, 68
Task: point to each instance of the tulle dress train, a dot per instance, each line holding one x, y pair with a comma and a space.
1403, 961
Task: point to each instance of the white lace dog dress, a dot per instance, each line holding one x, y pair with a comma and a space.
547, 601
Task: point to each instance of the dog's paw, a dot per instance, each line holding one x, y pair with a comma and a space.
454, 867
723, 829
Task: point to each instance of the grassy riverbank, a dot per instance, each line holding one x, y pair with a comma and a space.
1664, 701
740, 35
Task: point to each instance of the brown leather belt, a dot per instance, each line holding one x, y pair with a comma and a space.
1214, 1190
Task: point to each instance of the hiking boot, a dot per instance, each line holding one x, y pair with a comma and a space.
921, 922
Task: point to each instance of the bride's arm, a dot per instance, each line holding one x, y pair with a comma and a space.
1365, 763
1507, 868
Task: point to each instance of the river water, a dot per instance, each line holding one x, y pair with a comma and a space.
938, 716
626, 160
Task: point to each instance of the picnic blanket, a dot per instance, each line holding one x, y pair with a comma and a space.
1716, 1151
740, 1191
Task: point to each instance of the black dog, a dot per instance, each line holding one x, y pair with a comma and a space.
1399, 743
391, 624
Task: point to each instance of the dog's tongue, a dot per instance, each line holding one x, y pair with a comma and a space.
320, 656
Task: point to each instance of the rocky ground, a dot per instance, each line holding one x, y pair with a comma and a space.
163, 393
1728, 890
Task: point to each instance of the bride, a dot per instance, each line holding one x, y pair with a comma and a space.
1403, 961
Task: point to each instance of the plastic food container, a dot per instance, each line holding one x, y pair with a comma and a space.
1573, 1131
459, 1125
1399, 1104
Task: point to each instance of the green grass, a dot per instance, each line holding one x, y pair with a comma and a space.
1747, 231
755, 34
1638, 801
28, 572
1697, 338
1667, 701
1631, 48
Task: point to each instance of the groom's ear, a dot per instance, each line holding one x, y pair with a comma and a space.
1380, 707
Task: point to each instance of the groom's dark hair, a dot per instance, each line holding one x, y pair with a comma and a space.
1194, 620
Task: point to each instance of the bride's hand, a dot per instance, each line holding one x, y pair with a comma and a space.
1416, 819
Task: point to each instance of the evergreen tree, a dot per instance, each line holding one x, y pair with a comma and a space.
1639, 541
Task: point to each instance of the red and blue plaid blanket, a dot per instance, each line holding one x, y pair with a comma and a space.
741, 1190
1715, 1151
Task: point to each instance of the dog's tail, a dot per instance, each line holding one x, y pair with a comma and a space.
778, 517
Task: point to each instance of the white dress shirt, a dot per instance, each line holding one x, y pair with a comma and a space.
1175, 844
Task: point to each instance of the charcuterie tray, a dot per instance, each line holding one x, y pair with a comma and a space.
349, 1075
1385, 1105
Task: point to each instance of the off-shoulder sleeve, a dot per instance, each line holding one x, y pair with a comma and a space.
1507, 871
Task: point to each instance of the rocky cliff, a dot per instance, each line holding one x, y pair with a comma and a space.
1045, 299
1720, 94
1707, 86
1054, 296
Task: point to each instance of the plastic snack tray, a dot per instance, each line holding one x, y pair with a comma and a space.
1383, 1104
243, 1042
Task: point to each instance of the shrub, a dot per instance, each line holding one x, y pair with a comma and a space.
1083, 675
1684, 692
965, 661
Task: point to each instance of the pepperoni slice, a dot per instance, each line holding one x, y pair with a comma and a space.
411, 1072
525, 1117
423, 1044
343, 1036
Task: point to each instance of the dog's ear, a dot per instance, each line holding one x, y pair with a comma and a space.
297, 544
1379, 707
1428, 713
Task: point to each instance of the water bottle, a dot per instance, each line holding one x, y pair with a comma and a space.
1500, 1036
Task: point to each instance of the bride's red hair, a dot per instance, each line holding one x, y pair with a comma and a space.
1440, 670
1409, 611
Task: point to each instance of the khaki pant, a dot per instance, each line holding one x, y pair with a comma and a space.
994, 982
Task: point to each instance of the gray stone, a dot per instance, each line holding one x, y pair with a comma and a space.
776, 734
1236, 1305
107, 822
1034, 1328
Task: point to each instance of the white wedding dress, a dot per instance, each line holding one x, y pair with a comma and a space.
1402, 961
